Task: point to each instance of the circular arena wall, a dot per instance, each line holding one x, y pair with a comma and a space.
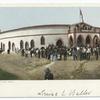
36, 36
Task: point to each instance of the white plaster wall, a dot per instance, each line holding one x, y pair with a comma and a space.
57, 30
51, 34
35, 34
49, 39
54, 38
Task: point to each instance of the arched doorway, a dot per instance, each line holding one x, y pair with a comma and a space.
13, 47
21, 44
42, 40
70, 41
26, 45
88, 40
32, 44
95, 41
9, 45
3, 47
59, 43
80, 41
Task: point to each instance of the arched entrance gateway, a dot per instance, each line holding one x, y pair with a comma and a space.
95, 41
88, 40
26, 45
13, 46
32, 44
9, 45
1, 46
59, 43
21, 44
80, 41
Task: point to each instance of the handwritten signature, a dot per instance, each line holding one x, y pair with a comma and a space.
74, 92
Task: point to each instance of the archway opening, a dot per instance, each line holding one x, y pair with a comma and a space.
3, 47
95, 41
21, 44
59, 43
9, 45
26, 45
42, 40
80, 41
88, 40
32, 44
13, 46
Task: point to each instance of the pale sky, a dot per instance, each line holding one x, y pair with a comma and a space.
17, 17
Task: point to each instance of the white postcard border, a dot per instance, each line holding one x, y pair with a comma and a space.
46, 88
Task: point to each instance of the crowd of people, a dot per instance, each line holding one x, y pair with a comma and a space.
85, 53
53, 52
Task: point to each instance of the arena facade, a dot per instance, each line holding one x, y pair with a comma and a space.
79, 34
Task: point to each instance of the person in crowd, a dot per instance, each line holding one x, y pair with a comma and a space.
80, 53
99, 49
22, 52
60, 52
88, 52
83, 53
26, 53
55, 53
31, 52
97, 53
51, 55
8, 51
46, 53
74, 53
92, 51
65, 53
42, 52
39, 54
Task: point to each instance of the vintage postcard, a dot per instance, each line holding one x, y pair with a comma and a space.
50, 51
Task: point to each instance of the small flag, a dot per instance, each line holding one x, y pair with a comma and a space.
81, 15
81, 12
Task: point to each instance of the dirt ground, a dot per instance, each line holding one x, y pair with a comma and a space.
33, 68
24, 68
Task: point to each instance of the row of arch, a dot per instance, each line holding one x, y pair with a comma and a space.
32, 44
80, 41
3, 46
11, 46
23, 45
27, 45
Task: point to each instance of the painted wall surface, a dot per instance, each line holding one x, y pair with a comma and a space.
51, 35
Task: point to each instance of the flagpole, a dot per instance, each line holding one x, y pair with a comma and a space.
81, 16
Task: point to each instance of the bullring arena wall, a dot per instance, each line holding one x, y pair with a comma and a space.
51, 34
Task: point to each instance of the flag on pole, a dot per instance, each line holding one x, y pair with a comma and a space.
81, 16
